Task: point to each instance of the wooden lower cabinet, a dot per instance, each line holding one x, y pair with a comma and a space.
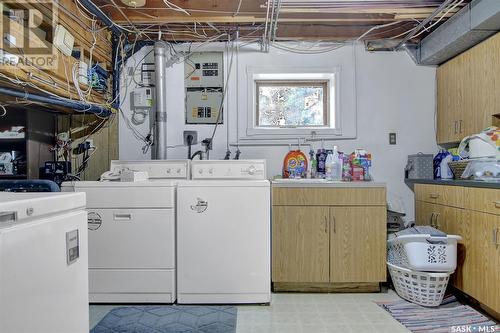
478, 253
300, 244
329, 239
357, 244
452, 221
485, 282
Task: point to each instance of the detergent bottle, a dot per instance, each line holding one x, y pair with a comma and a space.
294, 164
312, 163
445, 169
329, 165
336, 173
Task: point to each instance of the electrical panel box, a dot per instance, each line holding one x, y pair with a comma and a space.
203, 107
204, 69
142, 98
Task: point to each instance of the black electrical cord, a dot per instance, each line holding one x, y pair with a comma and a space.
189, 140
199, 152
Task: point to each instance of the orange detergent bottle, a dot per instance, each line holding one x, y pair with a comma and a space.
295, 164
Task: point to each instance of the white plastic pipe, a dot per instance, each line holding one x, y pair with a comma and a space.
160, 133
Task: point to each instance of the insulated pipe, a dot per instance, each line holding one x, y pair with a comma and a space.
79, 106
160, 138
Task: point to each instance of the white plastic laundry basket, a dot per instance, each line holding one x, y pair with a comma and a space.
426, 289
423, 252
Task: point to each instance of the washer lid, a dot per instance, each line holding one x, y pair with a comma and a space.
15, 207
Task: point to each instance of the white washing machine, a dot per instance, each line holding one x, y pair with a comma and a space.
132, 233
43, 263
223, 233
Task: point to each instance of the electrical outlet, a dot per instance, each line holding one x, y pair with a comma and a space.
90, 143
194, 134
392, 138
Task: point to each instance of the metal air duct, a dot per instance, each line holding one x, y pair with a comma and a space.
160, 121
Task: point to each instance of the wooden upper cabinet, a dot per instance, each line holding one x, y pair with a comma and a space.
356, 252
467, 92
485, 82
453, 99
300, 244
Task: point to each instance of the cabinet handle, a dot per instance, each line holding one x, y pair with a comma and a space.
456, 131
434, 195
333, 223
122, 217
431, 222
436, 225
460, 126
495, 236
497, 204
326, 225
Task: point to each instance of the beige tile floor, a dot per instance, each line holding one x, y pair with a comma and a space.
307, 313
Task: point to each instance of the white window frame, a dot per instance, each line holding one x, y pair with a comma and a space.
331, 75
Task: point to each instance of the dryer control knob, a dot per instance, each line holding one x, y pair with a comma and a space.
211, 171
200, 171
251, 170
168, 171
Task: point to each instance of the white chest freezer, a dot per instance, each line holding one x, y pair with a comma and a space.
43, 263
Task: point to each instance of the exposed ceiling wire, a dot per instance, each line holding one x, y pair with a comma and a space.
174, 7
238, 8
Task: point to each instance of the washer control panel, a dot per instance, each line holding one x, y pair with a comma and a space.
229, 169
156, 169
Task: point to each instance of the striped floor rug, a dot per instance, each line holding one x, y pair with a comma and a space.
450, 316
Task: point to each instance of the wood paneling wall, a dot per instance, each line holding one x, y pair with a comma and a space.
58, 79
104, 133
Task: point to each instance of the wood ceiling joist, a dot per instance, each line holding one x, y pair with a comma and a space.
351, 15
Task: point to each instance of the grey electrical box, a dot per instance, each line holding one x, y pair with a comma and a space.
204, 69
202, 107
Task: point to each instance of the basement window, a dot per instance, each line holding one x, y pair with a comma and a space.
292, 104
298, 103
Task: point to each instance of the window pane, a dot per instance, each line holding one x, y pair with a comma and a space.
291, 104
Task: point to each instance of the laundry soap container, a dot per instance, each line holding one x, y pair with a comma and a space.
419, 166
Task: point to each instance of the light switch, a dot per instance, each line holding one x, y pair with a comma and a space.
392, 138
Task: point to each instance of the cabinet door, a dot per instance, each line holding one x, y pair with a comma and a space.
454, 222
453, 99
484, 83
485, 250
424, 214
300, 244
358, 244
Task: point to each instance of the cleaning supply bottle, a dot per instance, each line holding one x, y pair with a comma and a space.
446, 172
329, 165
320, 160
336, 165
312, 163
436, 163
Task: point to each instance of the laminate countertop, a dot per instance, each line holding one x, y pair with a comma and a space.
453, 182
323, 183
